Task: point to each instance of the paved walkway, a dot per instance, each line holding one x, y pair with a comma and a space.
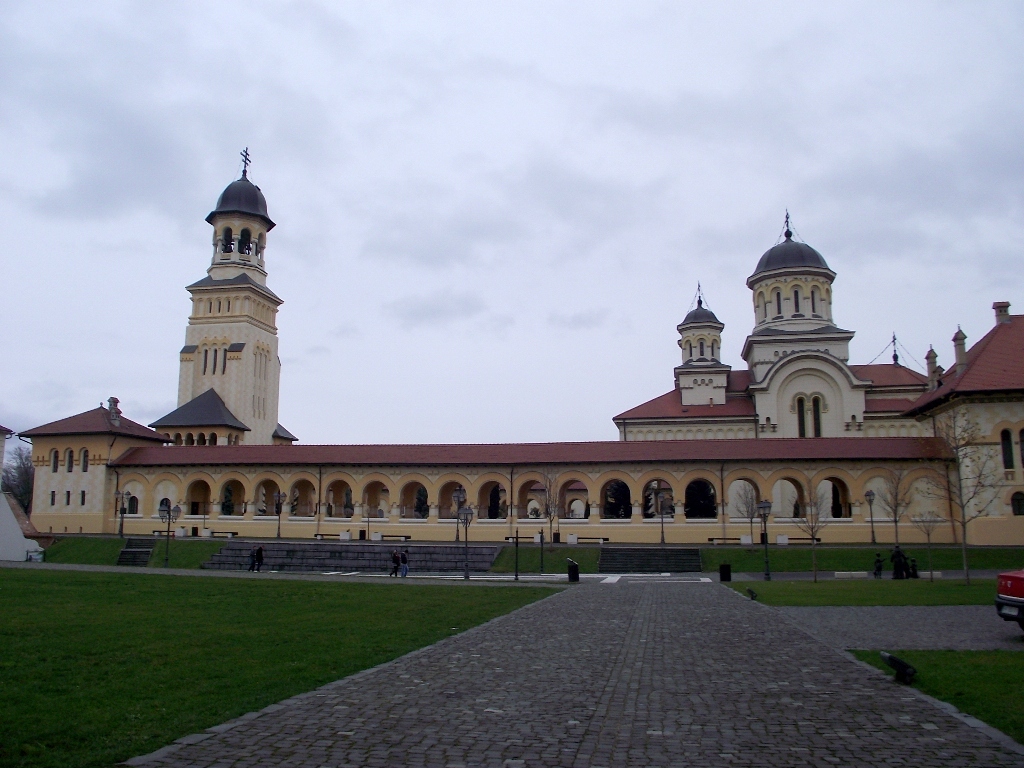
635, 673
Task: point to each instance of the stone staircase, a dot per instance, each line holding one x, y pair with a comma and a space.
136, 552
363, 557
649, 560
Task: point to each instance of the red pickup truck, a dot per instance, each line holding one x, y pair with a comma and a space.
1010, 596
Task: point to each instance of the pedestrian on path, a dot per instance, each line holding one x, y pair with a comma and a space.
879, 565
252, 558
259, 558
396, 561
404, 560
899, 563
913, 569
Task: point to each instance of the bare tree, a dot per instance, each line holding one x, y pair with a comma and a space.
895, 496
552, 502
970, 483
927, 524
746, 503
818, 514
18, 476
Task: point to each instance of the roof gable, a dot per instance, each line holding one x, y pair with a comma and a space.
206, 410
95, 422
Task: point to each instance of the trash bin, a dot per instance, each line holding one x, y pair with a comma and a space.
574, 569
724, 572
362, 535
556, 537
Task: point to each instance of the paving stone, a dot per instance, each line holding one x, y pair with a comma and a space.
610, 675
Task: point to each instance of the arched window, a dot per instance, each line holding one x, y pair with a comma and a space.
1017, 503
85, 459
215, 350
201, 439
816, 411
165, 505
702, 349
189, 439
801, 418
796, 301
177, 438
690, 345
261, 242
712, 349
206, 360
778, 303
54, 459
213, 438
226, 241
133, 505
814, 301
224, 362
1007, 442
245, 242
69, 459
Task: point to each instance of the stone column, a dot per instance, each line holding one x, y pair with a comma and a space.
432, 517
396, 513
638, 513
680, 514
595, 513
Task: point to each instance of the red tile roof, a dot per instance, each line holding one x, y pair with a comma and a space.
994, 364
95, 422
670, 406
5, 431
887, 405
737, 381
520, 454
889, 375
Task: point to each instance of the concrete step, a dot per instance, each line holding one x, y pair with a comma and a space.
649, 560
362, 556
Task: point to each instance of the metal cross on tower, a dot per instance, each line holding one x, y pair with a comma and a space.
245, 162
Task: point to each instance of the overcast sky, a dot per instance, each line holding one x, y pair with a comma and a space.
491, 216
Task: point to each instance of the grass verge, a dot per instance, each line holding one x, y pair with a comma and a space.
98, 667
986, 684
554, 559
872, 592
104, 551
857, 558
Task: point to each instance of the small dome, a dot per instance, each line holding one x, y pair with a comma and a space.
789, 253
700, 315
244, 197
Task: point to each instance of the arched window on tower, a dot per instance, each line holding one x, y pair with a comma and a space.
778, 303
801, 418
69, 459
54, 460
713, 350
796, 301
224, 362
1007, 442
206, 360
690, 347
245, 242
702, 349
816, 414
261, 243
85, 459
227, 244
814, 301
215, 350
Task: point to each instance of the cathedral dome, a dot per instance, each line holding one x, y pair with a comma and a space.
789, 253
700, 314
244, 197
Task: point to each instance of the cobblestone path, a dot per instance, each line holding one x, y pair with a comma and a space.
627, 674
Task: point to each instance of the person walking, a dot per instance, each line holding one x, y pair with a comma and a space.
404, 560
879, 565
899, 563
396, 561
252, 558
259, 558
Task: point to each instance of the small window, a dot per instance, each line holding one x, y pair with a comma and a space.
1017, 503
54, 460
1007, 442
53, 498
209, 307
133, 505
189, 439
814, 301
224, 363
85, 459
702, 349
213, 438
206, 360
201, 439
690, 345
218, 306
778, 303
67, 498
82, 502
245, 242
227, 241
229, 306
215, 350
816, 410
69, 459
796, 301
177, 438
801, 418
713, 349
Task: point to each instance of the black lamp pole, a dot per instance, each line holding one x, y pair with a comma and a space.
870, 496
278, 501
764, 509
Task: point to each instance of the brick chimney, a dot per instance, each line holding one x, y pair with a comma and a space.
1002, 309
960, 348
933, 376
115, 412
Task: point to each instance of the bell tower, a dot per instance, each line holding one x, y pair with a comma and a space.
229, 374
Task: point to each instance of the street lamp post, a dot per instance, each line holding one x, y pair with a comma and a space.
869, 496
763, 510
122, 500
465, 517
458, 498
278, 503
169, 516
656, 503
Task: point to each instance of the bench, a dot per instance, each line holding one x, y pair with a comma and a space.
851, 574
395, 536
225, 534
598, 539
724, 539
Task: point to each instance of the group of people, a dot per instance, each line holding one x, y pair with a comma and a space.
256, 558
399, 563
902, 567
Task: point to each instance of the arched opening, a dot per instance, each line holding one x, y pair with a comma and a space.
796, 301
69, 459
574, 500
245, 242
658, 499
177, 438
197, 498
261, 243
491, 501
1006, 441
414, 501
699, 502
339, 499
133, 505
201, 439
833, 492
266, 498
376, 500
54, 460
85, 459
801, 417
778, 303
742, 498
447, 506
190, 439
814, 301
1017, 503
227, 244
302, 499
816, 415
213, 438
787, 498
164, 506
232, 498
616, 501
701, 343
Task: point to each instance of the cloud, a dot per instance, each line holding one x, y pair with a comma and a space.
578, 321
439, 309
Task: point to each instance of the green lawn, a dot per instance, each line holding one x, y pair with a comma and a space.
857, 558
554, 558
98, 667
189, 553
872, 592
986, 684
